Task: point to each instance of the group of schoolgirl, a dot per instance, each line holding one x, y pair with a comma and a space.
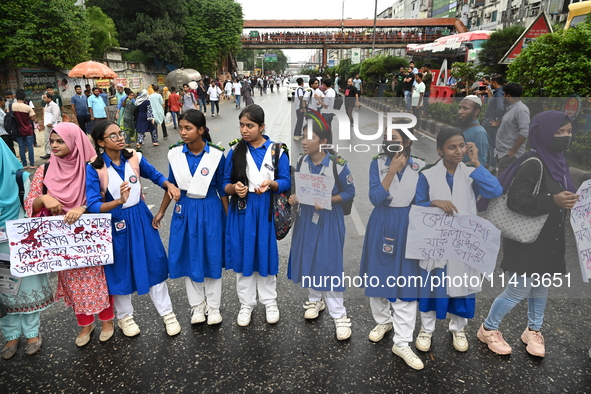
397, 180
208, 231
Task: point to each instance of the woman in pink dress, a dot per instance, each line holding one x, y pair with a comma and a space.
58, 188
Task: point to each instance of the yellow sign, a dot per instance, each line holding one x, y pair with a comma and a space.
161, 80
103, 83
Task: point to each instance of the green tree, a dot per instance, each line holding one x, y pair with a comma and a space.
556, 64
102, 31
155, 27
213, 30
43, 32
496, 47
465, 72
248, 57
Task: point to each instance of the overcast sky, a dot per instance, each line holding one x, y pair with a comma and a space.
310, 9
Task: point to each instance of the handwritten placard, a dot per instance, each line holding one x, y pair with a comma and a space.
47, 244
432, 235
580, 220
314, 189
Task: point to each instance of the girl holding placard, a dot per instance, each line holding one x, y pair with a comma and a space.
251, 244
60, 191
113, 186
393, 178
34, 293
452, 186
196, 246
319, 233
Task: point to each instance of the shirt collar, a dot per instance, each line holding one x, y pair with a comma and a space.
325, 162
205, 149
265, 144
108, 160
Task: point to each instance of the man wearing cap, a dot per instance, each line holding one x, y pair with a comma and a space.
470, 108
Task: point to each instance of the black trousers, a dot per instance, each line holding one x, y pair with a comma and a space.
9, 142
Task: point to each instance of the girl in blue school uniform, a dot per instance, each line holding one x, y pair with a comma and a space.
140, 263
319, 234
196, 246
393, 178
251, 244
452, 186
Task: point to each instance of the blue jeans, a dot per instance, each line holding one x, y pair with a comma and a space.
203, 105
23, 144
408, 98
175, 116
237, 99
514, 293
214, 104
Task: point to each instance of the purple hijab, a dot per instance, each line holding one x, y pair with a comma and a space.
542, 128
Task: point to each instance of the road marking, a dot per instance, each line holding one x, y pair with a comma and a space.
357, 221
150, 206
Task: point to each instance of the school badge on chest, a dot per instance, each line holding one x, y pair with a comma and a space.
205, 171
269, 167
349, 179
120, 225
386, 248
178, 208
415, 166
133, 179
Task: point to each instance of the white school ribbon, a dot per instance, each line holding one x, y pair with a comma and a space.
267, 172
197, 185
401, 191
464, 199
115, 182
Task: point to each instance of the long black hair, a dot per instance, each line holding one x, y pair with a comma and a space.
321, 132
255, 114
405, 140
98, 134
198, 120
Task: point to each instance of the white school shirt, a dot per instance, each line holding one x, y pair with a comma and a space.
214, 93
329, 95
237, 87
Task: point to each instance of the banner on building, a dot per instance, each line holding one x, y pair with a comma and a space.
35, 82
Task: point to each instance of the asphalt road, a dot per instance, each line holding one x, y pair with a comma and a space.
297, 355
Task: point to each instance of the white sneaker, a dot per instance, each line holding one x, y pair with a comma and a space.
313, 308
172, 325
213, 316
127, 324
460, 341
244, 315
343, 326
423, 342
408, 356
272, 311
198, 314
377, 334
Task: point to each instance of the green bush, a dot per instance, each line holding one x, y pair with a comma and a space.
578, 153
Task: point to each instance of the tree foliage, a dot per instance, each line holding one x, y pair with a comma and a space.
496, 47
213, 30
464, 71
556, 64
43, 32
248, 57
374, 69
154, 27
103, 33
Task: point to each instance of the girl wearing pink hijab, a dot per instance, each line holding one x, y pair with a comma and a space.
59, 189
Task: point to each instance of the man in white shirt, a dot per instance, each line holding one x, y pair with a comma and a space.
417, 94
214, 93
51, 117
300, 109
237, 87
328, 100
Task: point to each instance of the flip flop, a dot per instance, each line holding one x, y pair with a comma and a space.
156, 144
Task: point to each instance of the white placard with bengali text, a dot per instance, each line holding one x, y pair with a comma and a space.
314, 189
580, 220
432, 235
47, 244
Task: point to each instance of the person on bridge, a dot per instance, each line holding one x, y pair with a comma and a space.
393, 179
526, 265
251, 244
451, 186
195, 249
318, 238
113, 186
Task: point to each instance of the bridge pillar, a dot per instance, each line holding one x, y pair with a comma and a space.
324, 55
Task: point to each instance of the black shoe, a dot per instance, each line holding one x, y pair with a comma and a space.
45, 157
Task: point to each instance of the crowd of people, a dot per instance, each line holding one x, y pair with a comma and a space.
222, 216
382, 35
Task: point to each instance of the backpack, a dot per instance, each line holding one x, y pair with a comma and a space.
338, 102
10, 123
280, 209
301, 98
